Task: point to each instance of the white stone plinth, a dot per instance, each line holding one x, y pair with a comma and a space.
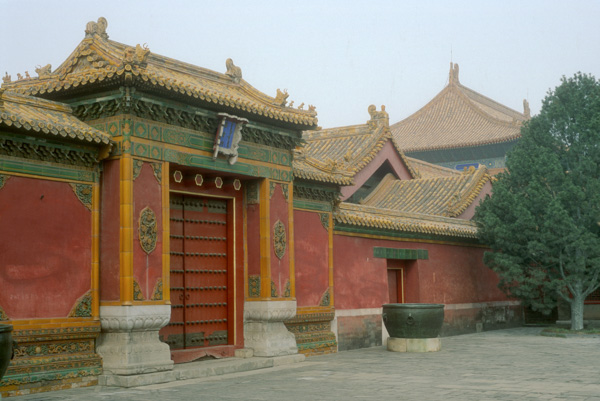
129, 343
414, 344
264, 330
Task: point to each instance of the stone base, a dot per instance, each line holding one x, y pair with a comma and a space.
414, 344
264, 331
269, 339
129, 343
194, 370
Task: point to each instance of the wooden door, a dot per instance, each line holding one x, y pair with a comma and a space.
199, 272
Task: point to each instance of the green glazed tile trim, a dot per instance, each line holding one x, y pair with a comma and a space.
403, 254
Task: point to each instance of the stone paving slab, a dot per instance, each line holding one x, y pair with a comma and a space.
515, 364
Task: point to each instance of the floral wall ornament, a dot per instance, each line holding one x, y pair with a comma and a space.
157, 294
137, 168
279, 239
137, 291
157, 169
3, 179
253, 286
83, 193
83, 306
148, 228
324, 220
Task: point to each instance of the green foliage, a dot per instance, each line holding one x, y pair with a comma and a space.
542, 222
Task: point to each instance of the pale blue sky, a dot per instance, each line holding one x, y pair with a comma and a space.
340, 56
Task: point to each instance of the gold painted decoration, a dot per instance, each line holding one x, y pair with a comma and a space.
279, 239
286, 189
137, 168
157, 169
254, 286
3, 179
252, 193
3, 315
288, 289
326, 298
137, 291
157, 294
83, 306
148, 228
83, 193
324, 220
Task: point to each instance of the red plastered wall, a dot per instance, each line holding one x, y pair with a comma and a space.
147, 268
452, 274
280, 268
45, 248
312, 258
109, 232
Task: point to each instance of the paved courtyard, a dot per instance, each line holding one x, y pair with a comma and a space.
515, 364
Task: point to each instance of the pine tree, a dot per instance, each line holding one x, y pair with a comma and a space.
542, 222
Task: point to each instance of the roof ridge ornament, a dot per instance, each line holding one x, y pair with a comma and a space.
233, 71
97, 28
453, 76
281, 98
526, 110
378, 116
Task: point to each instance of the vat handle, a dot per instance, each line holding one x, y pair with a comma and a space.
410, 320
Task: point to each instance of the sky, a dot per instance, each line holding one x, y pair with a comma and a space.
340, 56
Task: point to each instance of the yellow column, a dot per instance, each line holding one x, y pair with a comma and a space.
330, 231
95, 251
291, 240
126, 229
166, 220
265, 239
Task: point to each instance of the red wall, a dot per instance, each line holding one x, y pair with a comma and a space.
109, 233
45, 248
452, 274
280, 268
312, 258
147, 268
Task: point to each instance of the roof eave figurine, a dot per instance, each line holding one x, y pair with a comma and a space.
229, 134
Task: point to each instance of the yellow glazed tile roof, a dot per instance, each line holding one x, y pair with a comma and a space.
46, 117
429, 170
447, 196
336, 155
458, 117
368, 216
98, 59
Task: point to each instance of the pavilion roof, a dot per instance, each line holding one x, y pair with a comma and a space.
458, 117
447, 196
100, 61
336, 155
46, 118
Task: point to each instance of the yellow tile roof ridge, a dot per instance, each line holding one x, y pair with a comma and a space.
431, 169
368, 216
47, 117
106, 58
479, 177
15, 97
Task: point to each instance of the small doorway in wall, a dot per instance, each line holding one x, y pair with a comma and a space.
395, 273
